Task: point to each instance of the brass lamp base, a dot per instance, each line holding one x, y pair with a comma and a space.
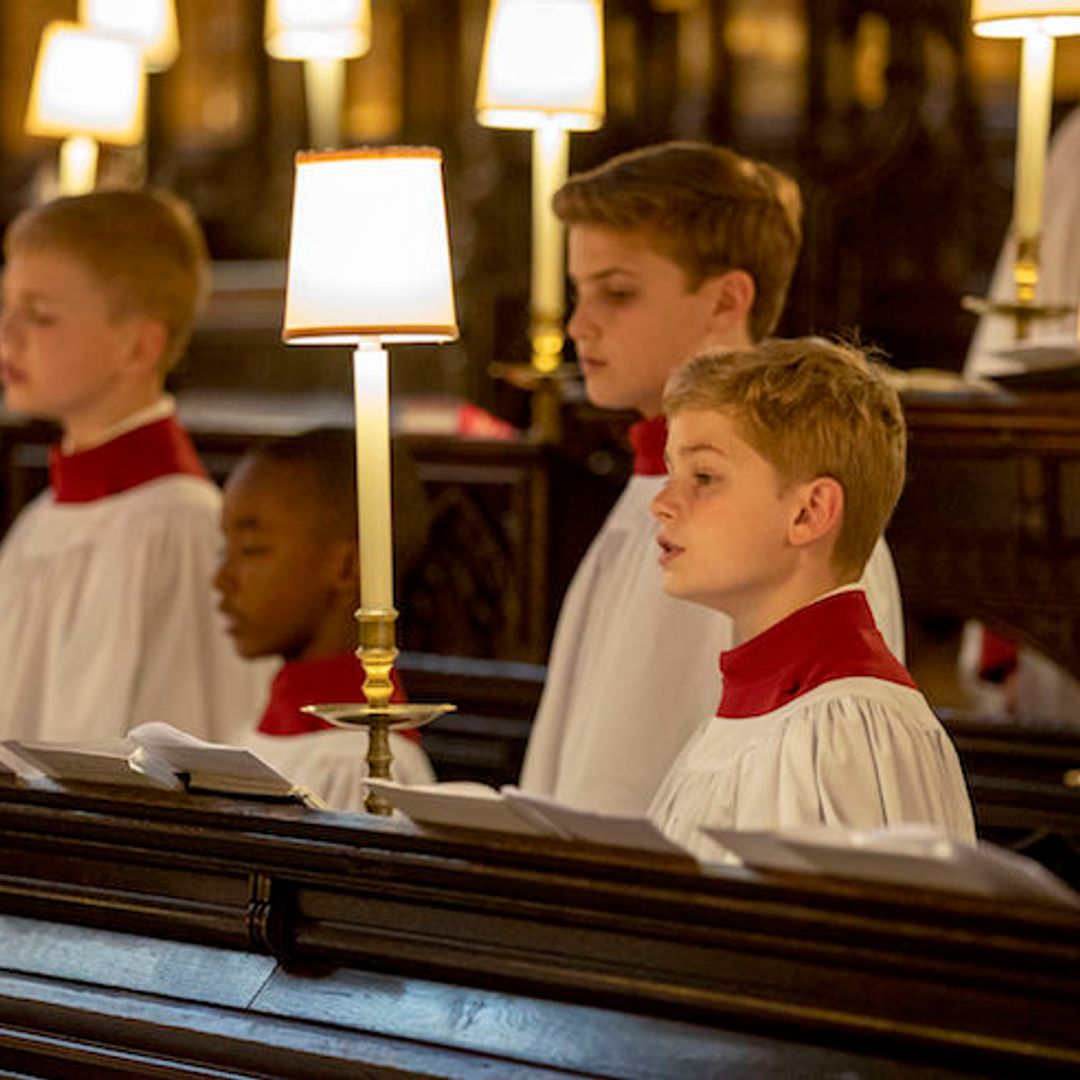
378, 714
1023, 313
380, 720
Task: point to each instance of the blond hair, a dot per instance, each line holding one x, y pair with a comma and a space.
706, 208
145, 249
811, 408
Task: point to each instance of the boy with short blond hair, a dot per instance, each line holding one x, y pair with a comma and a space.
673, 249
109, 616
785, 463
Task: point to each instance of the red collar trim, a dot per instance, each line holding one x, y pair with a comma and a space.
161, 448
311, 682
648, 438
832, 638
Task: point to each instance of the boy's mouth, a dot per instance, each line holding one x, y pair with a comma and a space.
10, 376
233, 622
668, 551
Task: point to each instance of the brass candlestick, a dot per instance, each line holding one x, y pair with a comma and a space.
1023, 310
377, 652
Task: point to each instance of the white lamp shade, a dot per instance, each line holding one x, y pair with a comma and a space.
1019, 18
87, 83
317, 29
369, 251
150, 23
543, 65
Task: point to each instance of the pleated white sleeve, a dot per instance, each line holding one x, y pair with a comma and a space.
858, 752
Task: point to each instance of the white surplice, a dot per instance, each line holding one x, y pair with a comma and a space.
632, 671
859, 752
108, 618
819, 724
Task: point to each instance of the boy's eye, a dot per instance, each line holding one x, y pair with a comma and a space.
250, 551
28, 314
618, 296
704, 479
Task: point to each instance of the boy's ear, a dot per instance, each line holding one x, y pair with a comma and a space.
148, 341
818, 511
733, 295
344, 561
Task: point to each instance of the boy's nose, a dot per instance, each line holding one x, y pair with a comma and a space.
661, 507
577, 325
222, 577
7, 329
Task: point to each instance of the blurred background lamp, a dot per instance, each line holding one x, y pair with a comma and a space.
543, 70
88, 87
1037, 23
369, 263
323, 34
150, 23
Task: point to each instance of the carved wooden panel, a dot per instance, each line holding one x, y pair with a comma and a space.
987, 525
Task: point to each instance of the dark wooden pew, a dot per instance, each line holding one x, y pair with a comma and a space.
174, 933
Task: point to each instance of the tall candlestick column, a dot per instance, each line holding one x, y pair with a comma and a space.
1033, 129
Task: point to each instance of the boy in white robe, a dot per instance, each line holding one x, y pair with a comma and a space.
289, 587
108, 614
672, 249
785, 463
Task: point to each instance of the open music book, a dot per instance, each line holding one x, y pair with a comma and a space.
922, 856
157, 755
469, 805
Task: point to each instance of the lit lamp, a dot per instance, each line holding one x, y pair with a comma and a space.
323, 34
369, 263
543, 69
87, 87
1037, 23
150, 23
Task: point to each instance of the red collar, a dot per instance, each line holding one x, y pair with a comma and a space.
161, 448
648, 438
832, 638
311, 682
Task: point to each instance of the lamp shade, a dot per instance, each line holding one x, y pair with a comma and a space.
317, 29
543, 65
150, 23
369, 251
1019, 18
87, 83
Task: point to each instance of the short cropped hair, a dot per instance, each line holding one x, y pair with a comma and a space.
145, 248
328, 457
811, 408
705, 207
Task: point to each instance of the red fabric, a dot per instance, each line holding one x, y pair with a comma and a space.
833, 638
648, 438
998, 658
147, 453
314, 682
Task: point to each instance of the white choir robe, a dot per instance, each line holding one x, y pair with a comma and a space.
632, 671
859, 751
109, 619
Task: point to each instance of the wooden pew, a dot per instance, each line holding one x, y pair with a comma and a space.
179, 932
